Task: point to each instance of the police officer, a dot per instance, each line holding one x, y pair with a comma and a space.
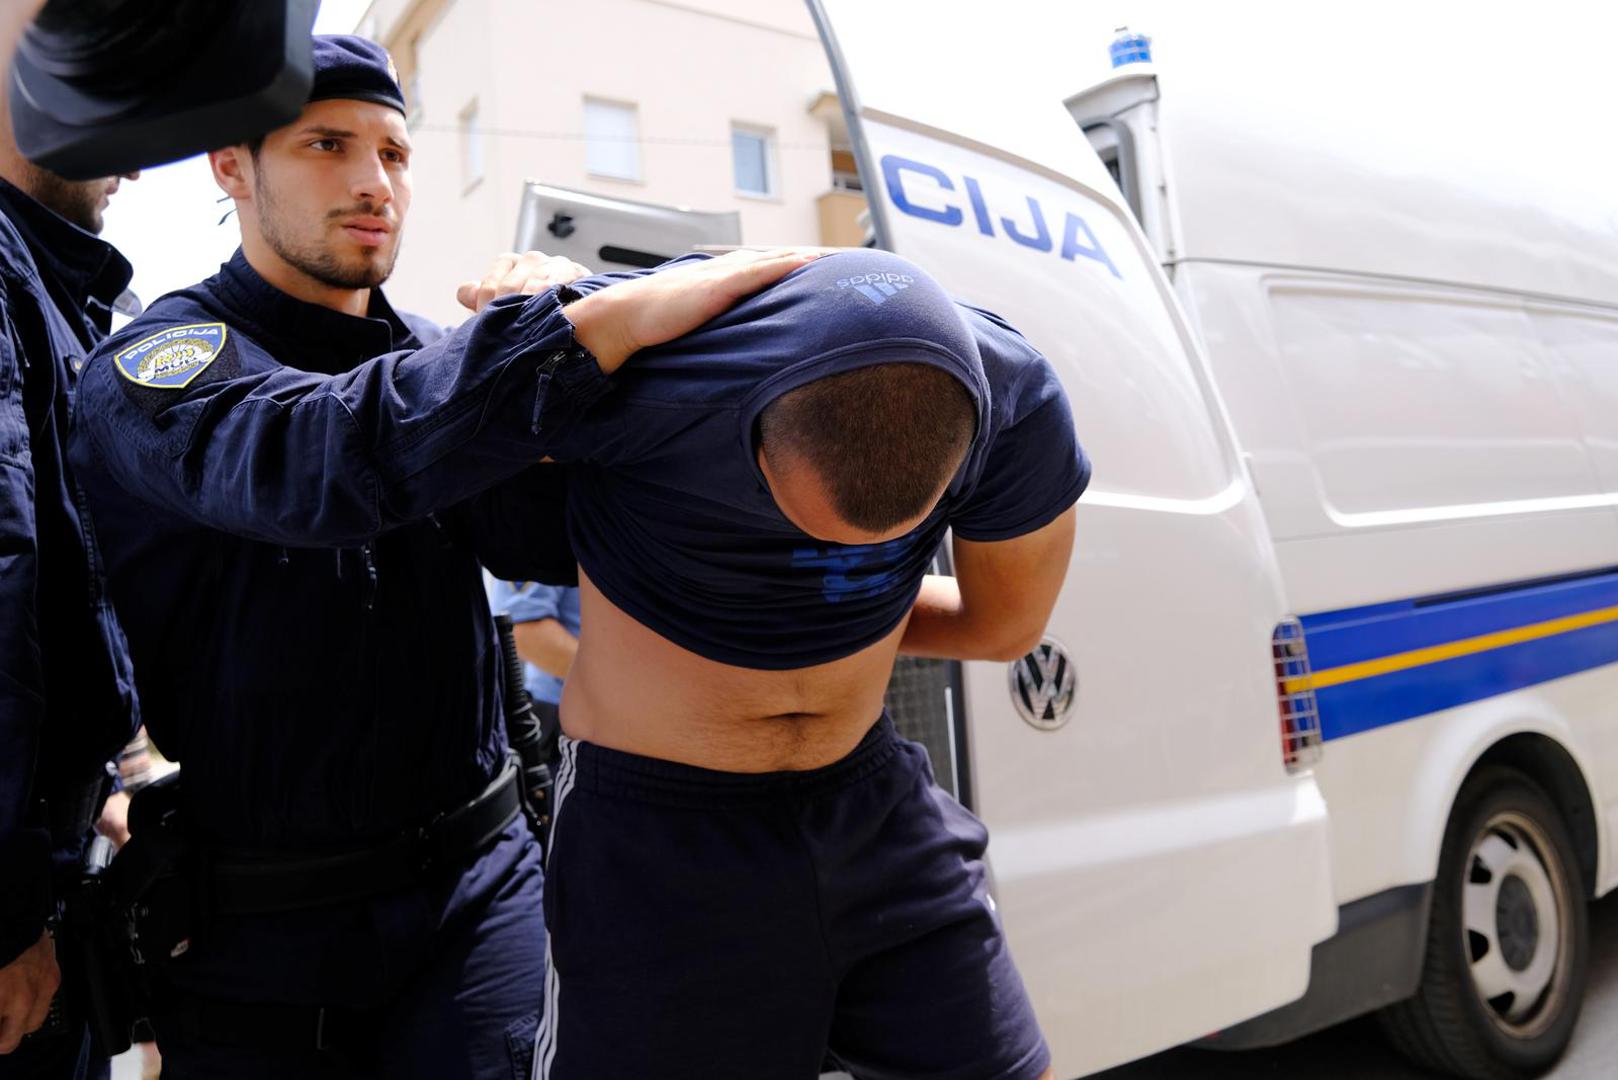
285, 467
66, 696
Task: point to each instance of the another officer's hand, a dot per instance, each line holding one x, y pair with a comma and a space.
530, 273
27, 985
613, 323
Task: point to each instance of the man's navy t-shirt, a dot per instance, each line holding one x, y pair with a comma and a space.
671, 518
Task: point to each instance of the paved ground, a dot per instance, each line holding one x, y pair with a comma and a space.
1356, 1051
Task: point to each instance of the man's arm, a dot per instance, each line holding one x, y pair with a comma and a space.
647, 307
287, 456
536, 615
28, 974
1013, 533
293, 457
547, 645
997, 604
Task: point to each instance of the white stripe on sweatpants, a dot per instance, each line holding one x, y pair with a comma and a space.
545, 1037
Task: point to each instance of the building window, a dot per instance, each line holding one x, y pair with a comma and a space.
611, 140
753, 156
471, 146
845, 174
408, 67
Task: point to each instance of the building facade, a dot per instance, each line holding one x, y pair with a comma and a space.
721, 105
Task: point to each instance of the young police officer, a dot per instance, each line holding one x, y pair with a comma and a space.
283, 464
66, 698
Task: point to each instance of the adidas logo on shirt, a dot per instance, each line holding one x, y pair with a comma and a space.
876, 287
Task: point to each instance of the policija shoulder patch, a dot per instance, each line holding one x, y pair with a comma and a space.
170, 359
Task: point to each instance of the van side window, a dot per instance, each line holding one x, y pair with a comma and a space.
1411, 399
1583, 342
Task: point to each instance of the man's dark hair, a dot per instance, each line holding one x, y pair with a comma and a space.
883, 439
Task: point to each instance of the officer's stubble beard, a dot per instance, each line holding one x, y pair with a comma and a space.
79, 201
315, 258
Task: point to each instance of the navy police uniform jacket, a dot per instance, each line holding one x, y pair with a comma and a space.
66, 699
286, 501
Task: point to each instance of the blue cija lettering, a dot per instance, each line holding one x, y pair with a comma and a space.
893, 166
980, 210
1077, 237
1041, 240
1090, 249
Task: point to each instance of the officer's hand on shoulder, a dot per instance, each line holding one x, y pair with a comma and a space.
530, 273
27, 985
646, 311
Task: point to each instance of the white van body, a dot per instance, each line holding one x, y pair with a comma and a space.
1312, 385
1419, 351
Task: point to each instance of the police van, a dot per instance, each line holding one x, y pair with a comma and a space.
1326, 720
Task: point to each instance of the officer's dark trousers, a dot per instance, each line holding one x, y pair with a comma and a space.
453, 975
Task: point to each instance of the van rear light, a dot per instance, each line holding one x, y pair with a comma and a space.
1295, 695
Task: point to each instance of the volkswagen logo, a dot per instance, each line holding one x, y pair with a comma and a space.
1043, 685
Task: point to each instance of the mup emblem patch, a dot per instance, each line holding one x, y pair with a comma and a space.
171, 358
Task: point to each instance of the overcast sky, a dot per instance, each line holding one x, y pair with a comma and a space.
167, 222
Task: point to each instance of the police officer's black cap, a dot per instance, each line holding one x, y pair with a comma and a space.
355, 69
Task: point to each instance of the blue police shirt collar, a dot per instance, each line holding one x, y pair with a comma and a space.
328, 341
87, 266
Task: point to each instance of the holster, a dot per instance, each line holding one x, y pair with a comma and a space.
116, 919
99, 979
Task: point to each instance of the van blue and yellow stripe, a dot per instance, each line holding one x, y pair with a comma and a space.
1381, 664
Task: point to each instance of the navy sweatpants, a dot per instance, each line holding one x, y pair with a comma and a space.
722, 926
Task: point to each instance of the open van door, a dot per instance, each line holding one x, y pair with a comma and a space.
1159, 846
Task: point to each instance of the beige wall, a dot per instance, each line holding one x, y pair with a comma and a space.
692, 68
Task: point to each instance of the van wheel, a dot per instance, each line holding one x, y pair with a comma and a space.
1503, 977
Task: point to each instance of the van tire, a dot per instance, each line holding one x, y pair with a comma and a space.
1500, 816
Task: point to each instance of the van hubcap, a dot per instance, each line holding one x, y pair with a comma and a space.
1514, 907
